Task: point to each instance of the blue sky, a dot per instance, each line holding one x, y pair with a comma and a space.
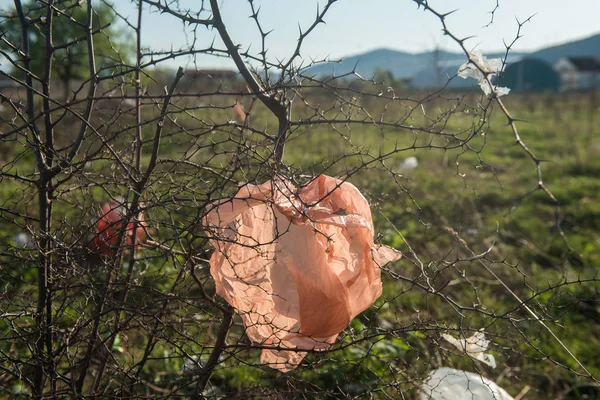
356, 26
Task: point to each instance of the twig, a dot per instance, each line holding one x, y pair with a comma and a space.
133, 212
213, 360
277, 107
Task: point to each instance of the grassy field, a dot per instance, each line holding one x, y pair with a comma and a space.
479, 195
489, 195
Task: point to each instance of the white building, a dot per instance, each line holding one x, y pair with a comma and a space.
578, 73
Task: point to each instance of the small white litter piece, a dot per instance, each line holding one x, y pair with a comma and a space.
23, 240
409, 163
479, 68
454, 384
473, 346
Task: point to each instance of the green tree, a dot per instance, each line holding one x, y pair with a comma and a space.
384, 76
69, 42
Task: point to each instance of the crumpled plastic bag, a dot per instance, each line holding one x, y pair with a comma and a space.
474, 346
112, 215
297, 265
454, 384
489, 66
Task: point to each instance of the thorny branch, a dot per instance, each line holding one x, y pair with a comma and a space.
129, 322
540, 183
273, 100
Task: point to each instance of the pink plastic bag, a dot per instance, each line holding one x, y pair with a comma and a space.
297, 265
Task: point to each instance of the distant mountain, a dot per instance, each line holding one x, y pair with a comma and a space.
589, 47
432, 68
401, 64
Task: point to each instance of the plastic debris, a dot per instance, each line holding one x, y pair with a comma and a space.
454, 384
409, 164
474, 347
109, 226
238, 110
296, 264
24, 240
479, 69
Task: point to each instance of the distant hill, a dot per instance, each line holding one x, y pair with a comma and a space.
401, 64
585, 47
431, 69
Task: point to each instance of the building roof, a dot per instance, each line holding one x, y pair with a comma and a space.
585, 63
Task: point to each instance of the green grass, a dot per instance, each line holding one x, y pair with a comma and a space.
486, 192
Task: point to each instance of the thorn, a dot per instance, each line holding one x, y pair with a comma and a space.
448, 13
461, 41
511, 120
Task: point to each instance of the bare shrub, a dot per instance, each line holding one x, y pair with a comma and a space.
135, 314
